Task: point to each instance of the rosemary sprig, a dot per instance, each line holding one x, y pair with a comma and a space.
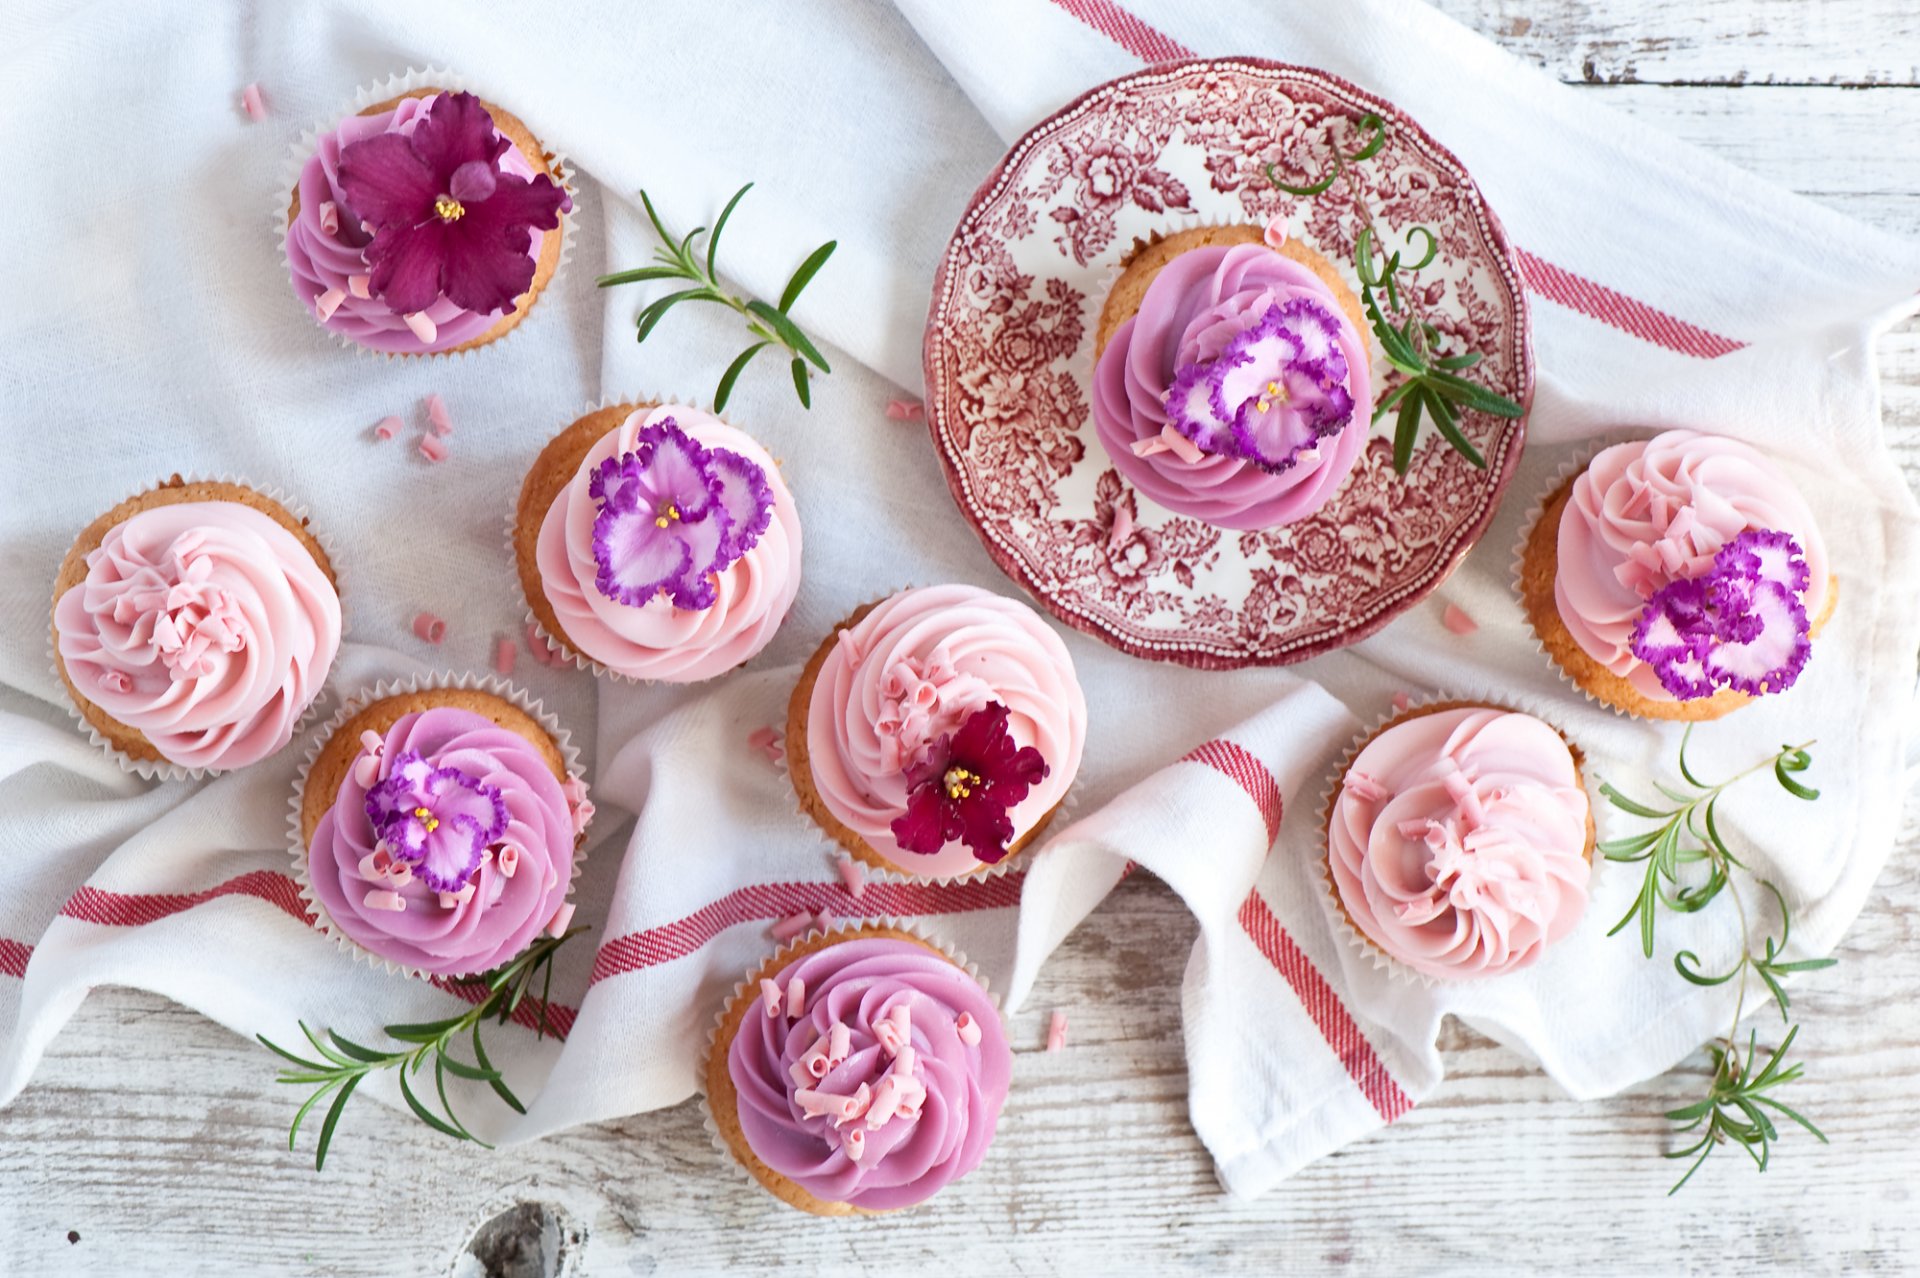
770, 325
1738, 1088
1430, 383
345, 1064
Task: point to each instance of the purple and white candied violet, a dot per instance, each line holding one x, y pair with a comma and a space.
437, 820
1741, 625
672, 514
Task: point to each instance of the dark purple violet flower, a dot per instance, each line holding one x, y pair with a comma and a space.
1273, 393
674, 514
965, 787
1743, 625
438, 820
446, 218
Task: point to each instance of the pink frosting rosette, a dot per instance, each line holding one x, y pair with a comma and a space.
944, 726
1687, 563
449, 845
881, 1083
674, 551
206, 626
1457, 842
1239, 392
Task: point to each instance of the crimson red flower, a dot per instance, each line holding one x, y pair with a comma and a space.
446, 218
965, 787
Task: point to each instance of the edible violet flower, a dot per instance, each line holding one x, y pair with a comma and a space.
1272, 394
673, 514
965, 787
446, 218
438, 820
1743, 625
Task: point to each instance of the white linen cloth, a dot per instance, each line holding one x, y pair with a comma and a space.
150, 330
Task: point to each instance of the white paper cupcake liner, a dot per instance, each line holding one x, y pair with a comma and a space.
1344, 929
164, 769
566, 650
748, 986
369, 95
350, 706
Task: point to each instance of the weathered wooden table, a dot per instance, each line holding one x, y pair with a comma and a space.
173, 1160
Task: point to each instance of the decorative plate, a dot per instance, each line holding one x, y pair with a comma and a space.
1009, 360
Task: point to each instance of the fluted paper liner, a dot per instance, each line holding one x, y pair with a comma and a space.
165, 769
367, 95
350, 706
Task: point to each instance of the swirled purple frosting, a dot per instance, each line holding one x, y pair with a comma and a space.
888, 1084
396, 908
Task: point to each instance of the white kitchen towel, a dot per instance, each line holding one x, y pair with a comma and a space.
152, 331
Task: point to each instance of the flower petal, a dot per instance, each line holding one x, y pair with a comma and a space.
678, 468
408, 264
918, 829
383, 180
451, 854
491, 267
1772, 659
635, 556
747, 499
456, 130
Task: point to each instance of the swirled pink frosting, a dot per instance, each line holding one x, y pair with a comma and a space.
911, 671
449, 936
1195, 306
1458, 842
912, 1136
206, 626
1650, 511
658, 640
325, 262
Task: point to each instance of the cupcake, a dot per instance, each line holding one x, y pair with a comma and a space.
435, 827
426, 224
937, 731
858, 1072
1676, 577
1231, 377
658, 542
1459, 840
193, 626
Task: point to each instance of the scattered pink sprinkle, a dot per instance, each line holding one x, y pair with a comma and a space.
422, 325
252, 104
328, 302
543, 652
1057, 1032
1275, 233
430, 627
329, 217
1401, 701
823, 920
361, 286
854, 876
437, 414
433, 448
505, 652
769, 742
387, 427
906, 410
1457, 621
791, 926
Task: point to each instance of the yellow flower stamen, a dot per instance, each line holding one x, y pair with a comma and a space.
449, 209
668, 513
432, 822
959, 782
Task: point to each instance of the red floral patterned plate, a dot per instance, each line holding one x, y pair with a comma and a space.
1009, 358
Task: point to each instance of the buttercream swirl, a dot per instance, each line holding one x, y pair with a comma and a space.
879, 1094
206, 626
1649, 512
326, 247
912, 670
1458, 841
658, 640
521, 881
1192, 311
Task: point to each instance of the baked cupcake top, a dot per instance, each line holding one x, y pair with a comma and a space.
1459, 841
1687, 563
206, 626
943, 726
416, 228
448, 846
886, 1085
674, 551
1239, 393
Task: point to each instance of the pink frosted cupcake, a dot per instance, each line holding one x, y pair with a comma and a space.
1460, 840
426, 224
1231, 382
657, 542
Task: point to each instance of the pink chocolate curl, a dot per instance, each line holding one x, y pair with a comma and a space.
769, 742
967, 1029
429, 627
1458, 621
433, 448
770, 995
796, 997
252, 103
387, 427
906, 410
505, 652
437, 414
854, 876
791, 926
561, 921
1057, 1032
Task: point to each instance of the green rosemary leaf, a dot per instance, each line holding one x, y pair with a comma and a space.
1792, 1113
657, 311
641, 275
293, 1132
277, 1050
1630, 848
1433, 247
1448, 425
1474, 396
1694, 974
320, 1046
333, 1121
1404, 432
546, 997
804, 273
424, 1114
732, 375
440, 1083
355, 1050
800, 382
1803, 965
1314, 188
1363, 258
464, 1070
1458, 363
659, 227
498, 1083
1790, 761
1393, 397
1625, 804
789, 334
1372, 123
719, 225
424, 1032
